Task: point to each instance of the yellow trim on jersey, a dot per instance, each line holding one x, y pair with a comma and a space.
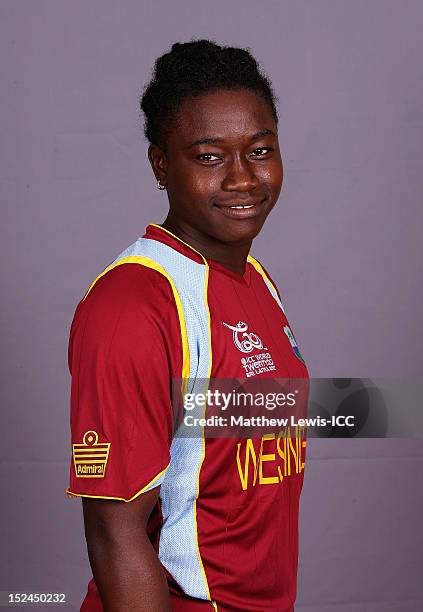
203, 442
69, 492
180, 240
208, 377
150, 263
257, 265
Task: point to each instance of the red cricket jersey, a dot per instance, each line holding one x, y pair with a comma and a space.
125, 350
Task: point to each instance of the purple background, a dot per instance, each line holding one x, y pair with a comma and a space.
344, 245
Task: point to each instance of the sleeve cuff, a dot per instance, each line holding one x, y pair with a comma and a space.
155, 482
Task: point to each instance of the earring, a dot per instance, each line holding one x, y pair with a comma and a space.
159, 185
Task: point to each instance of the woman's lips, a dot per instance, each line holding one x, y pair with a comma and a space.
239, 209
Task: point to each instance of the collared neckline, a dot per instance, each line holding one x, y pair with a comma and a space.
154, 231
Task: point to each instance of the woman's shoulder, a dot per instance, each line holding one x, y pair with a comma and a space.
128, 293
130, 284
127, 310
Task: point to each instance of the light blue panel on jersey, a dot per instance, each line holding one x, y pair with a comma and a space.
274, 293
178, 538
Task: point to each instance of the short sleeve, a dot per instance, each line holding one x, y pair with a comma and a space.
124, 350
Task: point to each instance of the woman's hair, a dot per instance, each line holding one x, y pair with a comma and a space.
191, 69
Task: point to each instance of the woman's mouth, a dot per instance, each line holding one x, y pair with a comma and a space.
240, 210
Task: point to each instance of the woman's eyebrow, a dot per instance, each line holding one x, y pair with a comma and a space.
263, 133
211, 140
214, 140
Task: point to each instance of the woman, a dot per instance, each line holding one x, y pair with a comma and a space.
209, 523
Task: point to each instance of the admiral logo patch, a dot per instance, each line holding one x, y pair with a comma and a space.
90, 458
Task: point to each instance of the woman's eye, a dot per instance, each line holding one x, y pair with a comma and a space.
261, 151
208, 157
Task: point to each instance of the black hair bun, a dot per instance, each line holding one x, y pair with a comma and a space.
191, 69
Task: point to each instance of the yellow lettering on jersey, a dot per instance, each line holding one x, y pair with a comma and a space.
249, 451
282, 454
266, 457
286, 460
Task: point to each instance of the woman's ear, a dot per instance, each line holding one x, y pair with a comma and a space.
158, 161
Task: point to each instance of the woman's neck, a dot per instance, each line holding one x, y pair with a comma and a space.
232, 256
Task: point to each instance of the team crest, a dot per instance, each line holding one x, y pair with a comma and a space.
90, 458
291, 339
244, 342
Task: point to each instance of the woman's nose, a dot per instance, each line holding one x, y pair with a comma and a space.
240, 177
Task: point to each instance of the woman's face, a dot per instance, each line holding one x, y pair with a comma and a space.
222, 154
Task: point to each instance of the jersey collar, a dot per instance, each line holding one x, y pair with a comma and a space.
157, 232
154, 231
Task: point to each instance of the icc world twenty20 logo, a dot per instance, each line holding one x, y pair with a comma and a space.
244, 342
